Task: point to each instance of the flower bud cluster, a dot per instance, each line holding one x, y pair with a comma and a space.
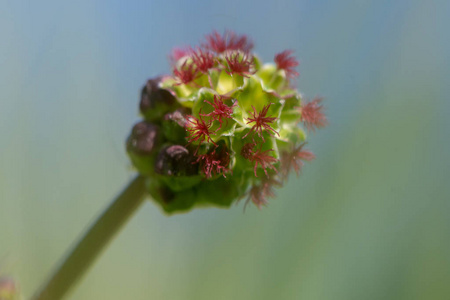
223, 126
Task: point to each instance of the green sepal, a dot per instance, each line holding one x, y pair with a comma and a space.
229, 83
220, 192
275, 110
227, 129
182, 91
180, 183
169, 200
253, 94
256, 63
200, 106
292, 134
144, 164
272, 78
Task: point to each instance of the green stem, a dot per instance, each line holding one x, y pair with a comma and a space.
94, 241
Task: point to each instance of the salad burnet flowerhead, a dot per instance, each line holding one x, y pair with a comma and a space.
222, 127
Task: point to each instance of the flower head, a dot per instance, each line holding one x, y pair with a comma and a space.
312, 115
285, 61
223, 126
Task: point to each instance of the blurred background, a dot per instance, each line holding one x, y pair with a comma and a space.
368, 219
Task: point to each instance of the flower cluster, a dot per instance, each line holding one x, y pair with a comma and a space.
223, 126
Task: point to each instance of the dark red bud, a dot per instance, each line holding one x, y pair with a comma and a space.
144, 138
173, 125
155, 101
176, 160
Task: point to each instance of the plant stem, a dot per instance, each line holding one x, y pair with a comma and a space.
93, 242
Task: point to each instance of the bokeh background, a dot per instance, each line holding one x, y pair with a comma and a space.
369, 219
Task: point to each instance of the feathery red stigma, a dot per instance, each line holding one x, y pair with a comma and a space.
204, 60
198, 130
239, 63
261, 122
259, 158
295, 160
285, 61
215, 162
228, 41
178, 53
221, 110
312, 115
257, 196
185, 74
258, 193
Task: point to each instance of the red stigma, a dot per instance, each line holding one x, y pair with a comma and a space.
239, 64
178, 53
295, 160
221, 110
228, 41
285, 61
185, 74
312, 115
215, 162
204, 60
198, 130
257, 196
258, 193
261, 122
259, 158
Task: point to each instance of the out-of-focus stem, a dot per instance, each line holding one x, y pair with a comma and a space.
78, 261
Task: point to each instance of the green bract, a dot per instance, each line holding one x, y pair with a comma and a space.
224, 126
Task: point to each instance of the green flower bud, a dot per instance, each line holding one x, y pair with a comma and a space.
229, 123
142, 146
